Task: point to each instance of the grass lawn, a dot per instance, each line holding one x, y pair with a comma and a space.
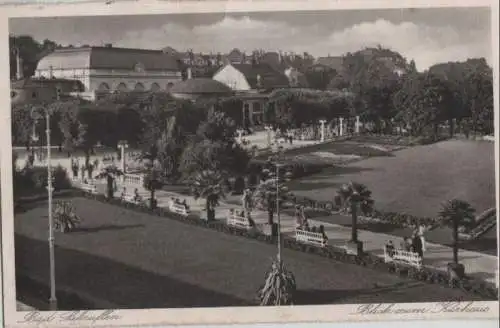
133, 260
415, 180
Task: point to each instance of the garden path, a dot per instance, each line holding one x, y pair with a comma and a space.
477, 265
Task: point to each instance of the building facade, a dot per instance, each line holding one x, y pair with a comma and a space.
109, 69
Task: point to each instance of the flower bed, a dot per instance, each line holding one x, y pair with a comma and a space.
484, 289
401, 220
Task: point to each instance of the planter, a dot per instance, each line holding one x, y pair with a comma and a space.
354, 247
456, 271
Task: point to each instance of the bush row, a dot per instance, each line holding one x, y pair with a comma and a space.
297, 169
401, 220
35, 177
429, 275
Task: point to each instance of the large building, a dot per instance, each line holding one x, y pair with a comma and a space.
109, 69
252, 83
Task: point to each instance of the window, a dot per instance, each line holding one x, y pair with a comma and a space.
34, 94
155, 87
122, 87
139, 87
103, 87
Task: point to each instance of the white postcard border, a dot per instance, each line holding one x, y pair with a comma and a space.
205, 316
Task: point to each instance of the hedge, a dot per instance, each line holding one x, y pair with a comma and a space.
429, 275
401, 220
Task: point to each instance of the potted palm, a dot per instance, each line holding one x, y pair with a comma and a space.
280, 286
208, 184
65, 217
456, 213
110, 173
353, 197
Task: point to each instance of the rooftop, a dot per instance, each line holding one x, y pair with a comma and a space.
200, 86
109, 58
269, 77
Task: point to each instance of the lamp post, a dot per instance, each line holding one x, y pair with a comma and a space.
322, 122
269, 129
37, 113
122, 144
279, 188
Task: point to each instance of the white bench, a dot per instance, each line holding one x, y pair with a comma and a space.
403, 257
178, 209
238, 221
89, 188
130, 198
309, 237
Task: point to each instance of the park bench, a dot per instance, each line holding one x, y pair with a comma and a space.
238, 221
178, 209
401, 256
89, 188
130, 198
309, 237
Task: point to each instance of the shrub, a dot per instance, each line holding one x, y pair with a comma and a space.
36, 178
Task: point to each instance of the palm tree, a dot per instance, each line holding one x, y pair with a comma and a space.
152, 183
65, 217
280, 286
353, 196
208, 184
110, 173
457, 213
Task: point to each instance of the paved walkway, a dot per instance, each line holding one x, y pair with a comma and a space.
477, 265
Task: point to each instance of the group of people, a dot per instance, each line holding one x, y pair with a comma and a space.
177, 201
414, 244
243, 214
88, 167
136, 198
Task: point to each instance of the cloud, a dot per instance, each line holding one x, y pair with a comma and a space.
425, 44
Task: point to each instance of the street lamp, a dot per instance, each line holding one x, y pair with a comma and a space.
279, 188
122, 144
322, 132
38, 113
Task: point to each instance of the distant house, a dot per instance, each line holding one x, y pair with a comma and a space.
252, 84
200, 88
296, 79
248, 77
333, 62
33, 90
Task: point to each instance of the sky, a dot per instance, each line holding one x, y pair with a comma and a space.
426, 35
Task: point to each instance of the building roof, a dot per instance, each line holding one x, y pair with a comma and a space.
109, 58
332, 62
42, 82
269, 77
200, 86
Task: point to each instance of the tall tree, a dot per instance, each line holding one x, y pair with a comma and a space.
457, 213
30, 51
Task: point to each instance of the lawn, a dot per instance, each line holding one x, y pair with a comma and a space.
415, 180
132, 260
